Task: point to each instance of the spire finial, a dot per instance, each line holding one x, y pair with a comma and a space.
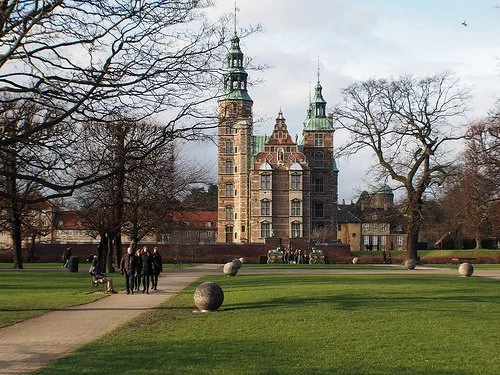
318, 69
236, 9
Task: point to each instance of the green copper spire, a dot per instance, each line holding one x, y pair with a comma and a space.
316, 114
235, 79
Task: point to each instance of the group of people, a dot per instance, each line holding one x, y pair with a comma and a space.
294, 256
142, 267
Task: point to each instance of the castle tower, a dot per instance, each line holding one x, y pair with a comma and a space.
318, 140
234, 150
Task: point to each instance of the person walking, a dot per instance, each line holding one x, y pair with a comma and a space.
65, 257
128, 267
157, 267
147, 269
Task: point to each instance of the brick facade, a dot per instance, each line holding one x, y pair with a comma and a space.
273, 186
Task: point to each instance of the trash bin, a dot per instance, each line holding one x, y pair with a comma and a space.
73, 264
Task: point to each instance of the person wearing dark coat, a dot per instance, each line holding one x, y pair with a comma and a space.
138, 270
99, 277
128, 267
157, 267
66, 256
147, 269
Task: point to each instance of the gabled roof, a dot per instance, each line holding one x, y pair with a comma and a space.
70, 220
195, 219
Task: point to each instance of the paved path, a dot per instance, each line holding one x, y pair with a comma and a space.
26, 346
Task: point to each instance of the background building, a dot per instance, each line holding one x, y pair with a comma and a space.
373, 222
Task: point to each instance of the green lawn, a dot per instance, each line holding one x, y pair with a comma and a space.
25, 294
316, 324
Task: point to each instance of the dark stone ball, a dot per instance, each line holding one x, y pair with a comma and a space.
208, 296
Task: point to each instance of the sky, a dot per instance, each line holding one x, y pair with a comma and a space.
353, 40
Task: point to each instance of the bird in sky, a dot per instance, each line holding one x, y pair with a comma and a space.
464, 23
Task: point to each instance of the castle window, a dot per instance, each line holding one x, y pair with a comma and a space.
229, 213
229, 127
265, 229
319, 140
295, 232
295, 208
295, 181
229, 189
229, 147
272, 148
318, 210
318, 160
265, 181
229, 233
265, 207
229, 166
318, 185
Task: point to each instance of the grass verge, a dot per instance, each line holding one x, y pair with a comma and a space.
26, 294
310, 324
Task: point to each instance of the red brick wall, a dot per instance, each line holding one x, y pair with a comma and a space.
189, 253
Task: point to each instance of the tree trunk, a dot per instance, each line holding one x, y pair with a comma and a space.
109, 254
31, 251
16, 235
102, 251
479, 243
412, 245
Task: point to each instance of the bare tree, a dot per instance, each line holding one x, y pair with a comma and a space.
411, 125
82, 59
29, 164
480, 181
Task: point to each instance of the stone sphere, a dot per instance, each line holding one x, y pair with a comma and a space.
466, 269
237, 262
355, 260
410, 264
230, 269
208, 296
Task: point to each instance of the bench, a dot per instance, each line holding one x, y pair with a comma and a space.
97, 285
460, 260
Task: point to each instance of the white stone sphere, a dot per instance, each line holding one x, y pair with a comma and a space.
466, 269
230, 269
355, 260
237, 262
410, 264
208, 296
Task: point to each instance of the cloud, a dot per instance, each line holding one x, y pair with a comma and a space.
359, 39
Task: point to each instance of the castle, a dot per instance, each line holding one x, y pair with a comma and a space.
273, 186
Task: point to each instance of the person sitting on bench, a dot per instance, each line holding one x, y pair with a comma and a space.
99, 277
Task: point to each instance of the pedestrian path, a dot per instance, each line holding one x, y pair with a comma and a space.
28, 345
